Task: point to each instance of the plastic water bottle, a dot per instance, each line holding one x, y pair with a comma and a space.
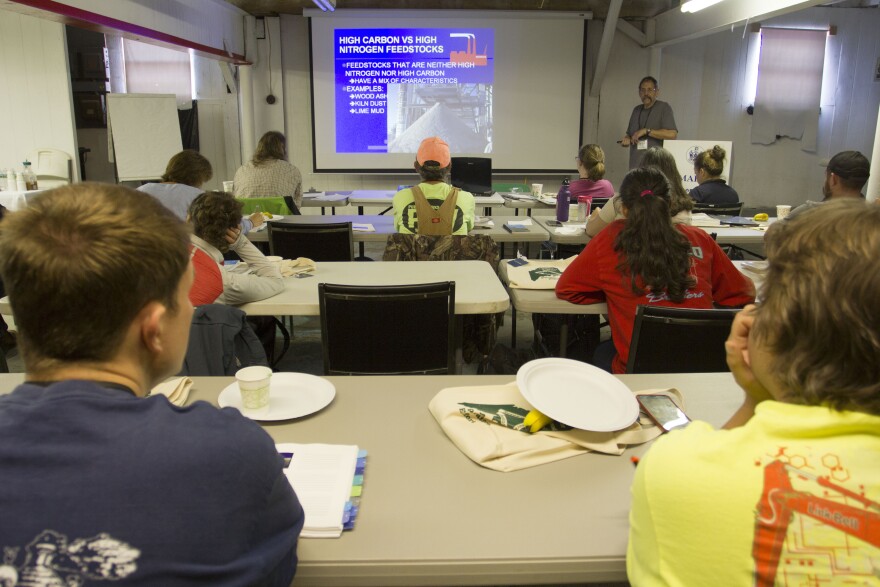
584, 204
30, 178
562, 201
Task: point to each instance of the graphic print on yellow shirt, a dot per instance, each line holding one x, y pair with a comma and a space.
813, 523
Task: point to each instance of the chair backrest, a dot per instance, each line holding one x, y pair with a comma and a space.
275, 205
52, 167
291, 205
598, 203
318, 242
725, 209
221, 342
381, 330
679, 340
422, 247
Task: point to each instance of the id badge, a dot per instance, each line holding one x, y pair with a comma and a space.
642, 144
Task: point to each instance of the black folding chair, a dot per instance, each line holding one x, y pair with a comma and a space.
722, 209
679, 340
388, 330
318, 242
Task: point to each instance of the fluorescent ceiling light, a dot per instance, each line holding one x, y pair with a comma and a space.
690, 6
327, 5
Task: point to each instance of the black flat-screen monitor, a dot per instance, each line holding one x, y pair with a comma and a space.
472, 174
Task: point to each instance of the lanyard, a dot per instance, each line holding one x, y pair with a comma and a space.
647, 118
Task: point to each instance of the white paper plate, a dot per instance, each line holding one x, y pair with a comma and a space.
274, 217
577, 394
291, 395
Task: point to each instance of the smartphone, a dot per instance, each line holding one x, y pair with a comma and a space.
552, 223
663, 411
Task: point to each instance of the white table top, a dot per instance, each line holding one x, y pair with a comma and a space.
323, 200
477, 288
544, 301
385, 197
384, 225
13, 201
430, 516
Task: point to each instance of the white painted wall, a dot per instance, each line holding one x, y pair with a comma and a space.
705, 81
35, 93
268, 77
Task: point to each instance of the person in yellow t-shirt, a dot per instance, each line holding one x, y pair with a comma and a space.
433, 206
788, 493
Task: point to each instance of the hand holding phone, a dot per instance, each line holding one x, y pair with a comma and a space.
663, 411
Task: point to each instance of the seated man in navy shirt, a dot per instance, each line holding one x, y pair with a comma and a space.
101, 483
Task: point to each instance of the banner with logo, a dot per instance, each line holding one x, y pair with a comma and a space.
685, 151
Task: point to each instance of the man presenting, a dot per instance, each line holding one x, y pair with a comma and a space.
101, 483
651, 123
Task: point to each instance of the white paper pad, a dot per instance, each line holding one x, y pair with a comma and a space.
357, 227
321, 475
523, 222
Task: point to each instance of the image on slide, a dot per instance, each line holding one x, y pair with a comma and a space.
395, 87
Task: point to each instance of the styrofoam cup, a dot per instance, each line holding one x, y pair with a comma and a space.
537, 188
254, 384
227, 186
782, 211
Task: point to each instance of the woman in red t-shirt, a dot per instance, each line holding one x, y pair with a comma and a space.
646, 259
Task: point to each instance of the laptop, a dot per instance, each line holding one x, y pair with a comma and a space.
473, 174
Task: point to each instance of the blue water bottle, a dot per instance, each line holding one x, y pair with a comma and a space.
562, 201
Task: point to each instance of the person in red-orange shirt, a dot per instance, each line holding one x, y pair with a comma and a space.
646, 259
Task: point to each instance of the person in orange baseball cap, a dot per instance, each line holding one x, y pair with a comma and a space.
433, 206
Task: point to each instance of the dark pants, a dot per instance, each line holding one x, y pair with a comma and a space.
604, 355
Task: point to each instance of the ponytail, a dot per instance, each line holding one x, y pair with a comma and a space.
653, 253
592, 157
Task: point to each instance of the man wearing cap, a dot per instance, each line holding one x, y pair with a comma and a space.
433, 207
845, 175
650, 123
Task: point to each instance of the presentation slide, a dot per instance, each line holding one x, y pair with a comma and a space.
494, 88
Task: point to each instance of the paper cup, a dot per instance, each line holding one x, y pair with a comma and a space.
537, 188
782, 211
254, 383
275, 260
227, 186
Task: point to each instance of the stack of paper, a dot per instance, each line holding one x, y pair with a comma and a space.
323, 476
483, 222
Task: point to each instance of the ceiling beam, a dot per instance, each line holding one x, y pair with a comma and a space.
605, 46
632, 32
675, 26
